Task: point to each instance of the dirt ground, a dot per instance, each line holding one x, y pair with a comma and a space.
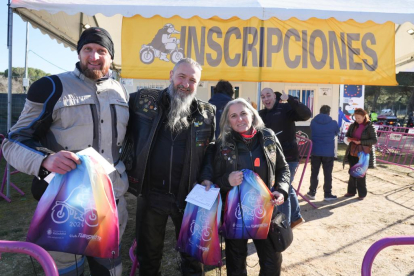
336, 236
332, 242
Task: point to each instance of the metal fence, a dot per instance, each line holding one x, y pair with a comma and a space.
377, 247
33, 250
394, 129
4, 179
305, 150
18, 101
395, 148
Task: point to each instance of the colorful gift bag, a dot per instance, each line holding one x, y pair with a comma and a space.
360, 169
77, 213
199, 233
248, 209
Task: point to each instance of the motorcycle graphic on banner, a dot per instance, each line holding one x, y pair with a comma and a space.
162, 45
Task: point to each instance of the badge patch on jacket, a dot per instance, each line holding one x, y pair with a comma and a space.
228, 155
198, 123
271, 152
147, 101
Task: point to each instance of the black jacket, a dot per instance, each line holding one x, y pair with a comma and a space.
368, 138
227, 158
282, 117
146, 112
219, 100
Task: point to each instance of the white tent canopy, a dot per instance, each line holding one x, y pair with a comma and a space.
379, 11
63, 20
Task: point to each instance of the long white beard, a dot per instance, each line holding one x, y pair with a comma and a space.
180, 109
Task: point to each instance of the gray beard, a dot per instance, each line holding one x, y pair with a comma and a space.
180, 109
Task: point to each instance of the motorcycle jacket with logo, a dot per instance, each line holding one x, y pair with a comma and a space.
70, 112
146, 111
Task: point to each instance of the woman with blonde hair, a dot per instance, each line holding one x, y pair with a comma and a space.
245, 143
361, 132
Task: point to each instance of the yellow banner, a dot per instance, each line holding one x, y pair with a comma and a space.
312, 51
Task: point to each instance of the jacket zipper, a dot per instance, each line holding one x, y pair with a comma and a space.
251, 160
191, 154
94, 122
115, 122
171, 160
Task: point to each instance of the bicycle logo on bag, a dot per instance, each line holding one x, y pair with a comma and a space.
63, 210
252, 206
203, 231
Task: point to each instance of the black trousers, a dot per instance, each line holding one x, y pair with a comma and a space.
356, 184
327, 166
236, 254
151, 240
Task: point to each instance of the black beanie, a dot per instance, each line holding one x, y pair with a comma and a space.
99, 36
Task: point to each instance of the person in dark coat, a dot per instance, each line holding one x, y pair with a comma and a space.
280, 114
324, 130
361, 132
223, 93
245, 138
168, 132
410, 122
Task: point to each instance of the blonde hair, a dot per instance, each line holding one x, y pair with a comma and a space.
225, 127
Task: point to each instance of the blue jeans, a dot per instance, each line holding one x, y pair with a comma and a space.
291, 207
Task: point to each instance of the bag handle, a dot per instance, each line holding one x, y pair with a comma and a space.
241, 213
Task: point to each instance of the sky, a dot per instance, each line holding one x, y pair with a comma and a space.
44, 53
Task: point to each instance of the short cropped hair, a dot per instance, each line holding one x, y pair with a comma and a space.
190, 61
325, 109
224, 87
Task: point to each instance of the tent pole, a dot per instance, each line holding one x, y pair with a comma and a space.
26, 64
259, 89
9, 90
81, 24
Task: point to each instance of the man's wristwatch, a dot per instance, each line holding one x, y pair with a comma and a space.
43, 172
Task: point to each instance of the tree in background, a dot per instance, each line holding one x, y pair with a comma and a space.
392, 97
406, 81
372, 94
18, 75
33, 73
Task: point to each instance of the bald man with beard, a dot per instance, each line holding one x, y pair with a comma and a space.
280, 114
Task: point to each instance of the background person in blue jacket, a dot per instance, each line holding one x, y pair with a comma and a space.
324, 130
223, 93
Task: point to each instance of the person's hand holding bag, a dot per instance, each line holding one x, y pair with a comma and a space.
278, 198
235, 178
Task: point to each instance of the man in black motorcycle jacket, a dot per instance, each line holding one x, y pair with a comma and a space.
168, 133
